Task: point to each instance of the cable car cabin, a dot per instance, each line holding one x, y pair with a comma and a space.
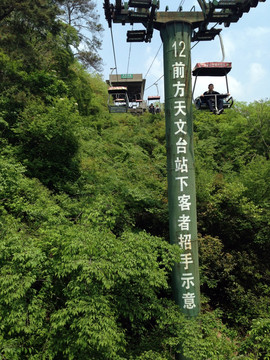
137, 107
153, 98
151, 107
215, 69
118, 99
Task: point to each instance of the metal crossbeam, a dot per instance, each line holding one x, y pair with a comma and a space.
205, 35
140, 3
136, 35
145, 12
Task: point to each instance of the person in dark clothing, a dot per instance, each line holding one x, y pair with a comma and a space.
152, 109
209, 98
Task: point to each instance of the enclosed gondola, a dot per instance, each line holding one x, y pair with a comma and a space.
118, 99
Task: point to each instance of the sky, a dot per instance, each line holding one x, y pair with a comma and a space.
246, 44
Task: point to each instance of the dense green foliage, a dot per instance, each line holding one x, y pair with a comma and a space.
85, 260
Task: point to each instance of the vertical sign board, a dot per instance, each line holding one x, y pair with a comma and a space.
176, 37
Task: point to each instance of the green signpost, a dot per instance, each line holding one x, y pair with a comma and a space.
180, 164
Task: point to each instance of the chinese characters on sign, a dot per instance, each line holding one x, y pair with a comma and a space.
181, 173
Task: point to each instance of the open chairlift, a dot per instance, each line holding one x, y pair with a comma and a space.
151, 107
212, 69
154, 98
137, 107
118, 99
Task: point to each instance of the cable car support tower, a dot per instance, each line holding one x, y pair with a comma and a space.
178, 29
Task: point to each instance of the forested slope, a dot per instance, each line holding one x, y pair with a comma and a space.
84, 251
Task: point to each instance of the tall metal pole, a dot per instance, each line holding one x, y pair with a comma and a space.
180, 164
176, 37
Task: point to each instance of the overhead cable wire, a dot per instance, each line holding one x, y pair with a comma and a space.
114, 52
129, 55
155, 83
153, 61
181, 5
194, 45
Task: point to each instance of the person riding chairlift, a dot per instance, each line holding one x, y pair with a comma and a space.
151, 109
210, 98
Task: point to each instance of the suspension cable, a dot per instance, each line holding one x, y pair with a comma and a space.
153, 61
114, 52
129, 54
181, 5
194, 45
222, 47
155, 83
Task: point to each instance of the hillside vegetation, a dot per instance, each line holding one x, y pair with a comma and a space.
85, 259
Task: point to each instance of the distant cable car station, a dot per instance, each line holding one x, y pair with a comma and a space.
134, 85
